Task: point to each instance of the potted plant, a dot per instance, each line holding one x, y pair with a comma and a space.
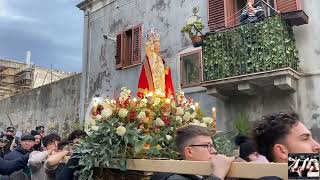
193, 27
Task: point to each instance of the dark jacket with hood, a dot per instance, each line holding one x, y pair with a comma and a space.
16, 153
9, 166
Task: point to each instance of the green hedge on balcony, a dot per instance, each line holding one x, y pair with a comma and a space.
255, 47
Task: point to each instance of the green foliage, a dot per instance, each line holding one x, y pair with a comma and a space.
224, 142
105, 148
255, 47
191, 30
242, 124
192, 22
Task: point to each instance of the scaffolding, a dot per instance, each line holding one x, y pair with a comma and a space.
14, 78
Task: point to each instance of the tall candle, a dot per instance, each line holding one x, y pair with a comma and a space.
214, 118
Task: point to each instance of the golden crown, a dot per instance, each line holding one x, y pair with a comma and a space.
153, 34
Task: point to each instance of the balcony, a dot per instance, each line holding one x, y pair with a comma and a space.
249, 57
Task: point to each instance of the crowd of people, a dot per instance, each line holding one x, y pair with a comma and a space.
47, 157
37, 156
272, 138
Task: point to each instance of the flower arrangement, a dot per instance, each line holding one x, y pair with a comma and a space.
192, 22
128, 127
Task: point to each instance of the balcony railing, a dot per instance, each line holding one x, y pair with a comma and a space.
249, 48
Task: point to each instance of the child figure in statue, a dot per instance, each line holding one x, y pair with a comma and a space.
154, 76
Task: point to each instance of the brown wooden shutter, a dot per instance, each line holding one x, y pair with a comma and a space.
232, 17
216, 15
287, 5
136, 44
119, 53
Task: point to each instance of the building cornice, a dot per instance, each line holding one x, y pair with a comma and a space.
94, 5
84, 4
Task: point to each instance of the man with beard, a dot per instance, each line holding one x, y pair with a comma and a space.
276, 135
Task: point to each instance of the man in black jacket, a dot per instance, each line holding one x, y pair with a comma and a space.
3, 142
9, 134
27, 142
24, 148
9, 166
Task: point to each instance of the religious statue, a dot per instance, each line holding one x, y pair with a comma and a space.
155, 76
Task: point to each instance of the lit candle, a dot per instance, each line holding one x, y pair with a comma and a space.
214, 118
197, 105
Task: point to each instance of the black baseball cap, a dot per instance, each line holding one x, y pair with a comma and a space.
4, 138
27, 137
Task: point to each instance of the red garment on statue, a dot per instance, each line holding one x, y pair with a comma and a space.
146, 81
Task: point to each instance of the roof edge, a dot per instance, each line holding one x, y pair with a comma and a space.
82, 6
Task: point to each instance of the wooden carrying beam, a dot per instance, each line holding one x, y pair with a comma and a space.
238, 169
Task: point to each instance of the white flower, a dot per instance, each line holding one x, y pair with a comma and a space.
186, 116
195, 122
142, 115
94, 128
159, 122
156, 102
125, 94
207, 120
97, 117
202, 124
193, 115
168, 137
121, 130
123, 112
106, 113
192, 20
96, 101
143, 102
179, 119
180, 111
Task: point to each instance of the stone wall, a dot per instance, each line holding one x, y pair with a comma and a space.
55, 106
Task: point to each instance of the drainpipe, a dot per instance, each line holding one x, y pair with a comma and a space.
84, 97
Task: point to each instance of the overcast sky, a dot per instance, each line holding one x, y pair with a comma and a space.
51, 29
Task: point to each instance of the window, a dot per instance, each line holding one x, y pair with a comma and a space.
269, 11
190, 68
226, 13
128, 51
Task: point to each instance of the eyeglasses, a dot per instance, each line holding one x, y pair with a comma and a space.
210, 147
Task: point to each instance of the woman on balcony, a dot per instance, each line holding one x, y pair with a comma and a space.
252, 12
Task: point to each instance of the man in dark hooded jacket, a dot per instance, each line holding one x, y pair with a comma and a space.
9, 166
25, 147
27, 142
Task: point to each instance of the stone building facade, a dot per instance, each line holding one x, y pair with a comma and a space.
106, 19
